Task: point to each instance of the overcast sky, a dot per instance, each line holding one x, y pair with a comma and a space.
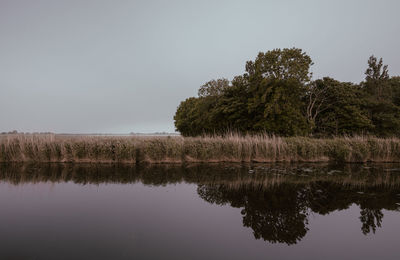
123, 66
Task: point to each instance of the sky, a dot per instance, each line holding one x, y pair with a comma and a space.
115, 66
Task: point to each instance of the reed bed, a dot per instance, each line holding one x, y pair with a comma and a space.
177, 149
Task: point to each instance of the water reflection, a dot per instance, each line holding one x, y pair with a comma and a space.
280, 214
276, 201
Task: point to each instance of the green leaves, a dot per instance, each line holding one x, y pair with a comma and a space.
281, 65
276, 96
382, 98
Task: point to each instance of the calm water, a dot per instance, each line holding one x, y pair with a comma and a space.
282, 211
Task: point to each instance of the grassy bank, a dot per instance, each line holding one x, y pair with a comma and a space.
233, 148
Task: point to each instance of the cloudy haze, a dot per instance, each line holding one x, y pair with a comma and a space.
124, 66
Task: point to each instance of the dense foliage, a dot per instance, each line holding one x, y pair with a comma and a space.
276, 95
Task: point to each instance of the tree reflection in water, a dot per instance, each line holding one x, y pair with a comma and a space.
277, 215
280, 214
276, 199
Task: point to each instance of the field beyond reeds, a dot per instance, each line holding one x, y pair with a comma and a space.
177, 149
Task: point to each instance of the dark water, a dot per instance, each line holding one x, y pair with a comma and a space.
57, 211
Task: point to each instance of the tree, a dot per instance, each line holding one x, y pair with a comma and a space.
277, 85
230, 113
186, 117
383, 112
394, 83
376, 78
338, 108
281, 65
196, 116
213, 87
318, 99
276, 108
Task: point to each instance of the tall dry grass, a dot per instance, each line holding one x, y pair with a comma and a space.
230, 148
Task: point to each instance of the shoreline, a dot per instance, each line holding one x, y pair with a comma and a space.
182, 150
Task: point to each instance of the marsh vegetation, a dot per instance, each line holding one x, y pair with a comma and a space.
228, 148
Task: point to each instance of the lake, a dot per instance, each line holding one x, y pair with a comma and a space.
199, 211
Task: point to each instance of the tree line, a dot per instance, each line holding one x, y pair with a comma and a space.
276, 95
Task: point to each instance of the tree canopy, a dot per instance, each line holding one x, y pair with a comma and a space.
276, 95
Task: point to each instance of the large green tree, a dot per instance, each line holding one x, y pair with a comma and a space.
187, 117
382, 110
338, 109
197, 116
230, 113
277, 82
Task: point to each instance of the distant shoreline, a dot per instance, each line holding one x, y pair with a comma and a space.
90, 134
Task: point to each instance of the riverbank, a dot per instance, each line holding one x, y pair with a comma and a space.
177, 149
